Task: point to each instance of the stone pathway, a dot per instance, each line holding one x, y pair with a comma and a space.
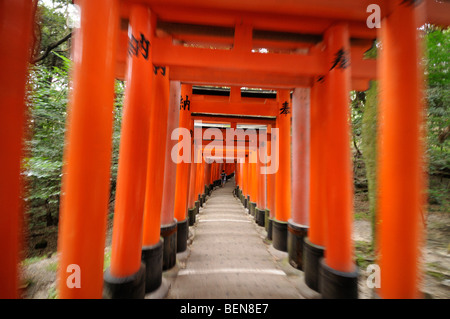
229, 259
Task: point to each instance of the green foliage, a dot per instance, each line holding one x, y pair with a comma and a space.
364, 254
52, 293
47, 110
51, 26
369, 150
438, 98
118, 107
48, 97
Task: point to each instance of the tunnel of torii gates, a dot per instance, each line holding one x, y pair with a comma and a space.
168, 50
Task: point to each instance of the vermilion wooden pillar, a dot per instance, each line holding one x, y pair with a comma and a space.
197, 163
207, 178
87, 156
169, 228
156, 162
401, 182
202, 182
238, 173
245, 180
253, 179
283, 176
183, 171
338, 278
236, 179
198, 175
191, 193
299, 222
152, 244
170, 168
271, 180
126, 264
260, 214
314, 244
16, 27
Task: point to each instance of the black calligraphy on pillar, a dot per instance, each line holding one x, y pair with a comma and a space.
141, 46
144, 44
161, 68
185, 103
341, 59
285, 108
321, 79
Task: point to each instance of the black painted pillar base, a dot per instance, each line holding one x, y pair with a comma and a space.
334, 284
210, 189
245, 202
191, 216
199, 198
169, 234
269, 229
279, 235
296, 234
182, 235
252, 208
130, 287
203, 199
266, 219
197, 207
152, 257
311, 263
260, 217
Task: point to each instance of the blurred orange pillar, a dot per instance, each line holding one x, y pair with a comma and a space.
207, 177
339, 254
314, 244
299, 221
132, 168
183, 167
245, 180
253, 162
401, 180
339, 246
283, 175
319, 122
153, 248
191, 192
261, 170
271, 180
170, 165
156, 157
87, 154
198, 173
260, 214
17, 21
300, 156
169, 229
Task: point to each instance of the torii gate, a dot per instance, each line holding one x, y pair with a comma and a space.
309, 46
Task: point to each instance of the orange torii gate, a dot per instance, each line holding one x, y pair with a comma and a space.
309, 45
